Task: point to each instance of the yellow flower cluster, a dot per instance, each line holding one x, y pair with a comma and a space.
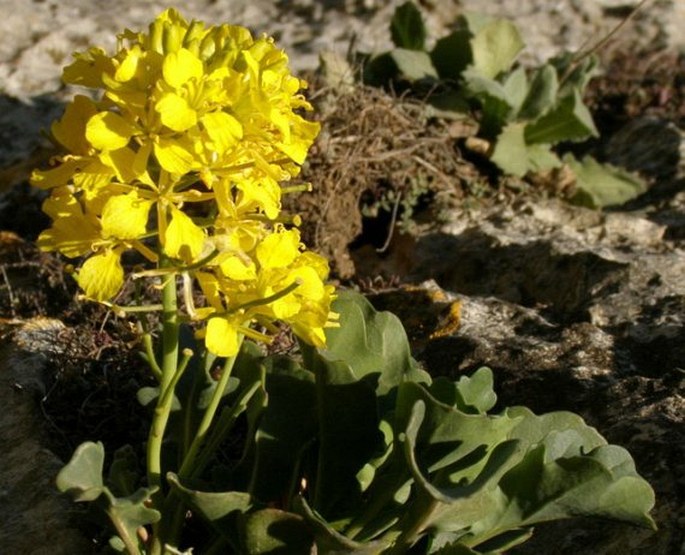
181, 158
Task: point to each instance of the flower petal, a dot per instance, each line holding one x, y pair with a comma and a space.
125, 216
101, 276
129, 65
221, 337
108, 131
238, 269
173, 157
310, 284
223, 129
72, 232
183, 238
181, 66
279, 249
175, 112
70, 131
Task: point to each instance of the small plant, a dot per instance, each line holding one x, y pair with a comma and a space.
523, 115
349, 448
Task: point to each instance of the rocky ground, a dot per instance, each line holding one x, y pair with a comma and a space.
574, 309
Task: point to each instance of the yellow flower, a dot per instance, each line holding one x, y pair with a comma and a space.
274, 281
73, 232
198, 126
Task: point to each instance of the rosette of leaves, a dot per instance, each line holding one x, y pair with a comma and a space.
355, 449
522, 114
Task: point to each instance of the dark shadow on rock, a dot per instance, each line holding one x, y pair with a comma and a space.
533, 274
654, 343
23, 148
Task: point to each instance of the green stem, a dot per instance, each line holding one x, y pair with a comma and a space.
173, 509
208, 416
170, 329
150, 358
169, 378
222, 429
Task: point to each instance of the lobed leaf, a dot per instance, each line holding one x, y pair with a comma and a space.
569, 120
600, 185
542, 93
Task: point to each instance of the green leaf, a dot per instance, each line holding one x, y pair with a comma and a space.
580, 75
511, 152
541, 158
477, 391
570, 120
516, 88
81, 478
407, 28
371, 343
331, 542
214, 506
452, 54
130, 513
602, 185
474, 21
223, 510
496, 104
471, 395
123, 472
148, 396
286, 428
440, 435
276, 532
515, 156
542, 93
495, 47
413, 65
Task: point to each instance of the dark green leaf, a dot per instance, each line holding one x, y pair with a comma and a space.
579, 75
570, 120
331, 542
380, 71
123, 472
496, 106
407, 29
452, 54
223, 510
285, 429
349, 436
542, 93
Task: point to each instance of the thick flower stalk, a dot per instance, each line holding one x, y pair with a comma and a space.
180, 158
